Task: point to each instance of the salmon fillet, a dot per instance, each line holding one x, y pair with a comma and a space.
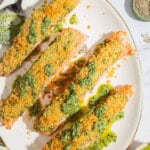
52, 62
43, 23
70, 101
90, 129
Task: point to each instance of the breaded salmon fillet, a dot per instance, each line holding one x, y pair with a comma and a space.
65, 47
70, 101
42, 24
90, 130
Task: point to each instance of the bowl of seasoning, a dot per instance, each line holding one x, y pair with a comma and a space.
142, 9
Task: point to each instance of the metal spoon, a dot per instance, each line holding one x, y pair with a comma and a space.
16, 8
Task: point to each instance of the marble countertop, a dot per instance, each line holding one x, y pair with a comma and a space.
141, 33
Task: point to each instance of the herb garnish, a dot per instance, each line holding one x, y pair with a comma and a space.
71, 106
74, 19
103, 91
48, 70
66, 136
32, 37
76, 130
28, 81
46, 23
88, 81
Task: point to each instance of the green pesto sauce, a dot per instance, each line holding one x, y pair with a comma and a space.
57, 39
68, 8
118, 116
28, 81
10, 24
86, 132
71, 106
57, 28
72, 87
103, 90
17, 82
48, 70
74, 19
96, 146
100, 112
88, 81
110, 137
146, 148
76, 130
66, 136
46, 24
102, 143
32, 37
85, 82
73, 133
35, 110
100, 126
68, 147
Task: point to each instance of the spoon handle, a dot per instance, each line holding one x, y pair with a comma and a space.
18, 6
19, 3
2, 144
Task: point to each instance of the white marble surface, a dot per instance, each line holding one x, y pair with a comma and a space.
138, 28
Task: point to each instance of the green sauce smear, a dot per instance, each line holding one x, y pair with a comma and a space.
100, 112
48, 70
100, 126
71, 106
46, 24
68, 147
28, 81
72, 133
74, 19
103, 90
118, 116
88, 81
32, 37
104, 142
68, 8
59, 27
76, 130
66, 136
